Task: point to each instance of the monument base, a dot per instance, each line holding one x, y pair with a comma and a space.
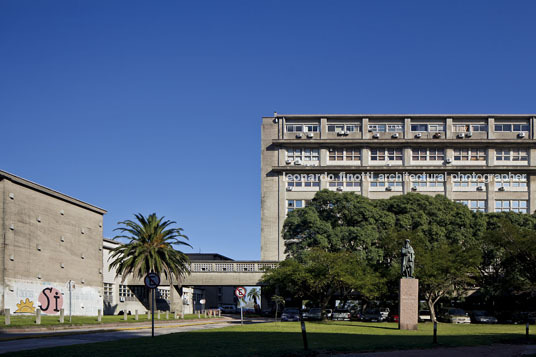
408, 306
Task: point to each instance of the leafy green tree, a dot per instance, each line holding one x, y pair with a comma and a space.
150, 248
278, 301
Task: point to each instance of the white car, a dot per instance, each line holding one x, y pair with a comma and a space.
455, 316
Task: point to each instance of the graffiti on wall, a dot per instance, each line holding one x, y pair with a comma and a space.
50, 300
25, 306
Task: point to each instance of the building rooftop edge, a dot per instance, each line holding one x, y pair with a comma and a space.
365, 115
49, 191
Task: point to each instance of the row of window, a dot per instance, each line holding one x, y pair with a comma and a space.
518, 206
382, 128
380, 181
424, 154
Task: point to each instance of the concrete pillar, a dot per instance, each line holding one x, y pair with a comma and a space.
62, 316
136, 317
532, 156
364, 129
491, 128
532, 123
167, 314
365, 185
406, 156
323, 127
490, 196
448, 186
448, 128
125, 315
38, 316
198, 314
365, 156
7, 313
158, 314
182, 315
175, 315
531, 181
99, 315
407, 128
490, 157
205, 314
148, 314
324, 154
175, 298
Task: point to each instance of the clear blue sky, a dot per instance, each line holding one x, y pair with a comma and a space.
155, 106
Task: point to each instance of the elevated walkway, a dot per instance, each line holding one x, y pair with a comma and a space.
232, 273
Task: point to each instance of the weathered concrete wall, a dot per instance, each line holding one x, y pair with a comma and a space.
49, 241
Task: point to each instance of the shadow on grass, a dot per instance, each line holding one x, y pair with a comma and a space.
366, 326
243, 343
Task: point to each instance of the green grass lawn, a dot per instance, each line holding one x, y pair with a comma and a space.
18, 321
271, 339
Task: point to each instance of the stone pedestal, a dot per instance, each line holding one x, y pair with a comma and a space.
408, 304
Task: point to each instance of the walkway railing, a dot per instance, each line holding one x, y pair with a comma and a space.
231, 267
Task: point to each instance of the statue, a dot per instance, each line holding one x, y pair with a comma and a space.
408, 260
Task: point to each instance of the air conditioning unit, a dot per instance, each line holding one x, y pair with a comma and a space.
448, 160
346, 132
299, 136
297, 162
414, 188
340, 188
501, 188
418, 135
388, 164
122, 299
437, 135
310, 135
480, 188
468, 135
288, 161
388, 188
340, 132
521, 135
376, 135
395, 136
290, 188
461, 135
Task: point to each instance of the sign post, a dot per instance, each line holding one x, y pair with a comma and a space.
152, 280
240, 293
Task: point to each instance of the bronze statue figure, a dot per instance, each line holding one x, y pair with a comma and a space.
408, 260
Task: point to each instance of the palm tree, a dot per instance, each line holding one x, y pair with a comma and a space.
255, 294
150, 248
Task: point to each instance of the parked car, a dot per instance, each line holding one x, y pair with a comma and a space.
227, 309
341, 315
425, 316
373, 315
314, 314
454, 315
483, 317
290, 314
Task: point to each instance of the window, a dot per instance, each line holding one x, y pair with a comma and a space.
428, 154
108, 292
345, 180
462, 128
511, 155
466, 181
303, 154
387, 180
395, 127
511, 183
518, 206
428, 183
474, 205
436, 127
470, 154
303, 180
295, 204
479, 127
343, 127
306, 128
349, 154
419, 127
385, 154
162, 294
377, 127
512, 127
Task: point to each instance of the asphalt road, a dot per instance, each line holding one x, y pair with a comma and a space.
90, 335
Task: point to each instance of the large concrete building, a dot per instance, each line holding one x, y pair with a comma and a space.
485, 161
49, 241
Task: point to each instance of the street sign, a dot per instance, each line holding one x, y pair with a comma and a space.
240, 292
152, 280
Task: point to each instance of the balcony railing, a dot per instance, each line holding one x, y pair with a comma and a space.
231, 267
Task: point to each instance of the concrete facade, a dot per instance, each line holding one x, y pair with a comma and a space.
48, 239
376, 146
